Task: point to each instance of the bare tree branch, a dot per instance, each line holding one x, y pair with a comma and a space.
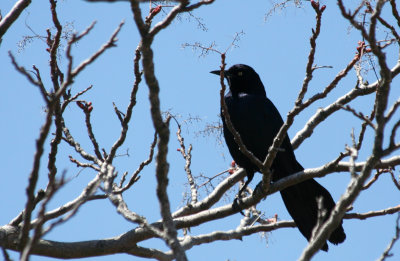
12, 16
187, 155
132, 103
381, 100
324, 113
37, 83
135, 175
162, 129
370, 214
396, 237
111, 43
311, 55
24, 233
126, 243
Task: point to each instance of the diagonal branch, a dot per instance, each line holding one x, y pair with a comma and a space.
311, 56
324, 113
187, 155
135, 176
12, 16
128, 114
396, 237
34, 175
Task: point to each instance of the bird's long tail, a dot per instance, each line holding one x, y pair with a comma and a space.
301, 201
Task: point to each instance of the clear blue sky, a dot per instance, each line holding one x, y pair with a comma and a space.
277, 49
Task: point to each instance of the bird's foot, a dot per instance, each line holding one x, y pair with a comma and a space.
258, 189
236, 207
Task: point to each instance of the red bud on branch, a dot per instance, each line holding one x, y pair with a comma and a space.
80, 105
156, 10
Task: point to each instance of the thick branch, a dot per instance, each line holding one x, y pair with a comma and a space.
12, 16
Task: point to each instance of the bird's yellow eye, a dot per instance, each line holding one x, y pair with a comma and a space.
240, 73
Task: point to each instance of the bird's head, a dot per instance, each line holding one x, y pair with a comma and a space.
243, 79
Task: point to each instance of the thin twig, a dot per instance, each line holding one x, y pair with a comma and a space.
83, 165
135, 175
187, 155
127, 117
373, 180
311, 55
111, 43
76, 96
37, 83
396, 237
91, 135
359, 115
33, 177
370, 214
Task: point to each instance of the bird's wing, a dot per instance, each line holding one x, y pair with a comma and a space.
258, 121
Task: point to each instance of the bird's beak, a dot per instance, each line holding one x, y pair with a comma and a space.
218, 72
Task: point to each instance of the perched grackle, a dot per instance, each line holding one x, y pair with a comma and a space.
257, 121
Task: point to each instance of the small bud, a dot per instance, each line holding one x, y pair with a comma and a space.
178, 149
231, 171
361, 45
314, 4
80, 105
156, 10
88, 103
369, 8
233, 164
323, 8
90, 108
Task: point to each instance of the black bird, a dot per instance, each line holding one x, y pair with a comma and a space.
257, 121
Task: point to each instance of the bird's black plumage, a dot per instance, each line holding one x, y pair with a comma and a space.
257, 121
